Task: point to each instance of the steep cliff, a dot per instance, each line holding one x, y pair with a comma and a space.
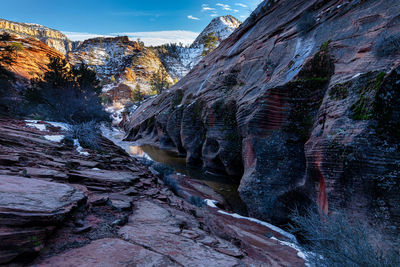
119, 62
52, 38
179, 60
300, 103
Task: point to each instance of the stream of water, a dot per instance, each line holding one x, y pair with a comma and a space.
224, 185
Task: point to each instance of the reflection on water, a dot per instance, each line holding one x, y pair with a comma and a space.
223, 185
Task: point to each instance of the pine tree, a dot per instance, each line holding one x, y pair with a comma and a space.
137, 95
210, 43
159, 81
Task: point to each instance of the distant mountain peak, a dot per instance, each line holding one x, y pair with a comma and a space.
222, 27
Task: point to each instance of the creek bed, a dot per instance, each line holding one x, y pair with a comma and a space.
222, 184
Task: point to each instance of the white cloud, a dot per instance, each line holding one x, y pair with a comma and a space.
240, 4
149, 38
205, 7
162, 37
224, 7
192, 17
81, 36
235, 10
214, 15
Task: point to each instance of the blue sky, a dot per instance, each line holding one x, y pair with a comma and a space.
153, 21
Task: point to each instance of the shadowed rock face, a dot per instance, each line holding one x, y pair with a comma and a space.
300, 114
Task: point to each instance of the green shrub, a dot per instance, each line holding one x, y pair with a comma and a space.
163, 169
88, 134
159, 81
363, 108
137, 95
172, 184
197, 201
16, 47
339, 92
338, 241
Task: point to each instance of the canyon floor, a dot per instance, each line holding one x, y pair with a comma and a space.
63, 207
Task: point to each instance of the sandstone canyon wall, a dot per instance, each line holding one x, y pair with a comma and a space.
52, 38
300, 112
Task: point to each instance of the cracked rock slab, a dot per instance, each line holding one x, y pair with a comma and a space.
155, 227
108, 252
24, 200
29, 211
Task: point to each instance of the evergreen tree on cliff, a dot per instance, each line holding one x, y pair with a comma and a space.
210, 43
159, 81
137, 95
7, 58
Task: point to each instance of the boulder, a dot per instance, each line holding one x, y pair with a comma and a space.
29, 211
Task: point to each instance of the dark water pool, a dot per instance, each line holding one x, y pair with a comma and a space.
223, 185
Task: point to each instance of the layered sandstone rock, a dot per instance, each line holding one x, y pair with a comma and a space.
299, 113
29, 210
30, 61
52, 38
59, 207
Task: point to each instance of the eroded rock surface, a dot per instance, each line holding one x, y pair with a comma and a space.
53, 38
298, 112
29, 209
109, 252
31, 61
59, 207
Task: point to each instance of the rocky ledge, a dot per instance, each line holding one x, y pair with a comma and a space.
60, 206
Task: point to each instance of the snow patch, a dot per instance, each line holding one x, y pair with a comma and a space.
79, 149
54, 138
63, 126
211, 203
300, 253
40, 127
43, 127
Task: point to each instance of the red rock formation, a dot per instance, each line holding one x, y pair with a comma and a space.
31, 61
307, 105
105, 208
